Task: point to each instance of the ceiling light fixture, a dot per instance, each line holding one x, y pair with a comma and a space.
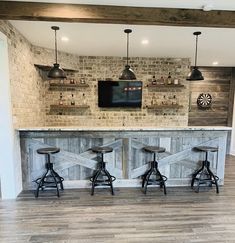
64, 39
215, 63
56, 71
195, 73
127, 73
145, 42
207, 7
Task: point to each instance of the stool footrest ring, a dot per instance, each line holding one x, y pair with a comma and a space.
113, 178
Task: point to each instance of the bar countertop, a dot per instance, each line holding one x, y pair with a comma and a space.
188, 128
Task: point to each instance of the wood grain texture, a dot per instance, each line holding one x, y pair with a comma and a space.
128, 162
182, 216
218, 82
114, 14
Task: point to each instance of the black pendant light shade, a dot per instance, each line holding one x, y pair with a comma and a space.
56, 71
127, 73
195, 73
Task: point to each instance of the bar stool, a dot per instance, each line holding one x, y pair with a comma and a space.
160, 179
50, 178
204, 175
101, 176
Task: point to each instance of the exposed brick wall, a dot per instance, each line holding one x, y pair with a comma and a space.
26, 90
31, 97
94, 68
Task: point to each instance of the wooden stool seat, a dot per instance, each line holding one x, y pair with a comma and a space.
206, 148
102, 150
53, 150
154, 149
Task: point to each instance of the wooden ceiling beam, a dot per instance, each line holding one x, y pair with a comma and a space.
114, 14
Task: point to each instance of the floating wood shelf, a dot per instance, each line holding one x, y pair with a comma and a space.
159, 107
164, 86
68, 107
48, 68
68, 85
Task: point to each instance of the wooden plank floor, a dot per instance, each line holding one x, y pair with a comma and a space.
182, 216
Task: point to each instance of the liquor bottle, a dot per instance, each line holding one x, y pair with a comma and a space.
72, 100
82, 80
72, 81
174, 102
162, 80
83, 99
154, 81
61, 99
169, 81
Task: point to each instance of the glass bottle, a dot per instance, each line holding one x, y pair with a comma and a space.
162, 80
82, 80
61, 99
174, 102
72, 100
72, 81
83, 99
169, 81
154, 81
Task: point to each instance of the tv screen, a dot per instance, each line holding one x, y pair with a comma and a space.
119, 93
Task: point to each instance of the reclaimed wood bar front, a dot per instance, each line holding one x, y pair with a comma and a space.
128, 161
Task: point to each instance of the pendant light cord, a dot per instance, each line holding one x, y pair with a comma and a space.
127, 50
55, 48
196, 51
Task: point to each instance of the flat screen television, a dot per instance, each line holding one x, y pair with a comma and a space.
119, 93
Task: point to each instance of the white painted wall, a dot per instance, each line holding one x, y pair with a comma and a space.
10, 164
232, 145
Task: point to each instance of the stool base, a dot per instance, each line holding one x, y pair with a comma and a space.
106, 181
160, 179
50, 179
205, 176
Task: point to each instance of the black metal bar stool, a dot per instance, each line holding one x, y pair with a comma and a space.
159, 179
50, 178
101, 176
204, 175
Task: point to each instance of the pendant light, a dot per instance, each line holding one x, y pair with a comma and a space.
195, 73
56, 71
127, 73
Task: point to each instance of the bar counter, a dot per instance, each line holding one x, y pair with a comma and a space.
128, 161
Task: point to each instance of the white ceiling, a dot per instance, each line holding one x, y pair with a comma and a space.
215, 44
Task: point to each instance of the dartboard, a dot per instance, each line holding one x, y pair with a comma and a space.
204, 100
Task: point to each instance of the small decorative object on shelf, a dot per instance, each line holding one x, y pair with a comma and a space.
154, 81
61, 99
83, 99
174, 102
169, 81
82, 80
72, 100
204, 100
72, 81
162, 81
176, 81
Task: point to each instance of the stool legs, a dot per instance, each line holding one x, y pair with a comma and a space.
160, 179
44, 181
205, 175
102, 171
